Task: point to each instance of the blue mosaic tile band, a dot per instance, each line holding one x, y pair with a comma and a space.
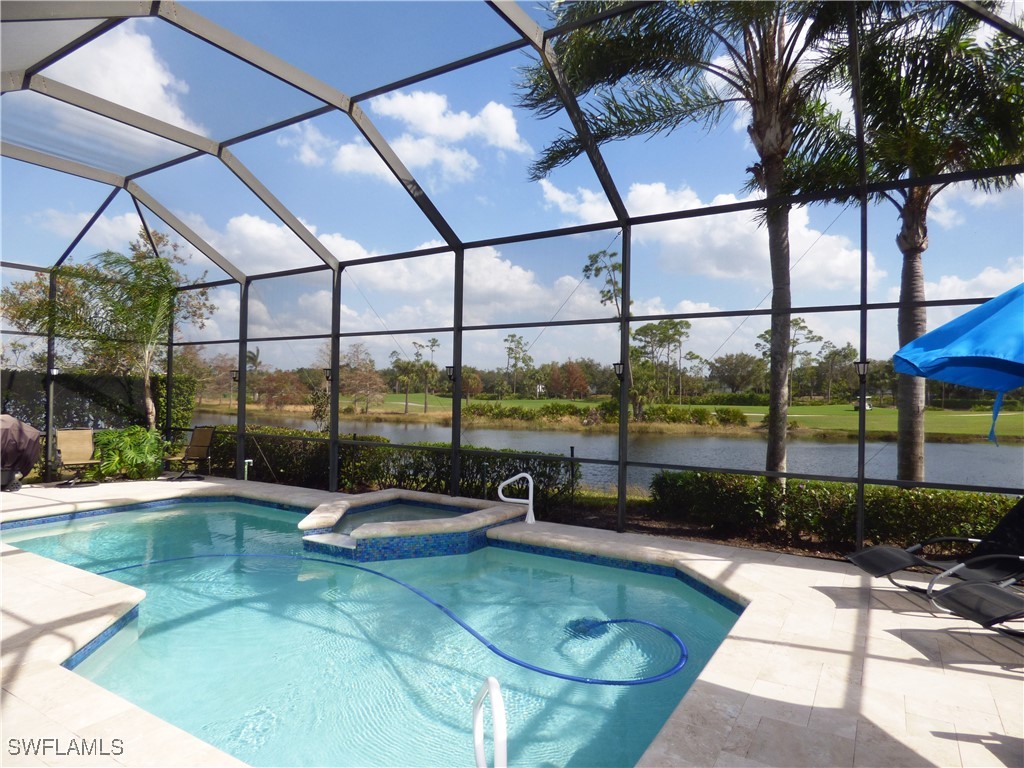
86, 650
406, 547
629, 565
144, 505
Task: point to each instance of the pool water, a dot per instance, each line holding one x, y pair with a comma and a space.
394, 512
291, 661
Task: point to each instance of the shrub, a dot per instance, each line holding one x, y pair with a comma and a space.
674, 414
556, 411
826, 511
731, 416
134, 453
728, 504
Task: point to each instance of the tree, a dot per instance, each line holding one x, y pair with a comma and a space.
605, 263
113, 313
405, 371
657, 343
472, 384
737, 371
663, 65
518, 358
426, 368
555, 382
835, 362
359, 377
936, 100
576, 385
799, 335
253, 363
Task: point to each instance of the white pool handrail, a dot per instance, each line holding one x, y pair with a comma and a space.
492, 689
529, 497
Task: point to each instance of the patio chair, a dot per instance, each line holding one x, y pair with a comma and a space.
198, 449
984, 603
997, 557
75, 451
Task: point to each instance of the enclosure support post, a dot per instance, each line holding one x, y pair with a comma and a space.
333, 478
460, 264
627, 233
243, 336
51, 360
862, 366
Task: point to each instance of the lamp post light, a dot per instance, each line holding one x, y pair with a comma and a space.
450, 370
619, 370
327, 374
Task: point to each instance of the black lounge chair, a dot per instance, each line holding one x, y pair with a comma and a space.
995, 558
984, 603
197, 450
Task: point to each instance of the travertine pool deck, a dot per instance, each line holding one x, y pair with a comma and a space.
825, 667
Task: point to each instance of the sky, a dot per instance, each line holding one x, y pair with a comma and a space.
469, 145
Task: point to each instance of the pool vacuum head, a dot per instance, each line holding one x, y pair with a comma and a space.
586, 627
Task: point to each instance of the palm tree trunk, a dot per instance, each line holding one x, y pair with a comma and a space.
779, 352
147, 396
912, 322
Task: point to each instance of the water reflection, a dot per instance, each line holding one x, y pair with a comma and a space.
983, 464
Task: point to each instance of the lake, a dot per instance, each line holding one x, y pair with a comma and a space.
983, 464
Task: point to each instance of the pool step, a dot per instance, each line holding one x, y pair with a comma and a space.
337, 540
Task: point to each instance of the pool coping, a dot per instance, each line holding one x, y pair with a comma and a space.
824, 667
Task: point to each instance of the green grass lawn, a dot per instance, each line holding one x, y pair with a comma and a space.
844, 418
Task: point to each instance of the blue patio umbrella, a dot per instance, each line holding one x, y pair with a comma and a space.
983, 348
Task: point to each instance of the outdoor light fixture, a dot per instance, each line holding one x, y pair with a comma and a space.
450, 370
327, 373
619, 367
861, 366
55, 372
234, 375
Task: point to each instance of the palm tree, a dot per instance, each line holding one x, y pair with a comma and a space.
131, 308
252, 362
935, 101
664, 65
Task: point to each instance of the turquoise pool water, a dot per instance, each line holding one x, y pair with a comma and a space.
395, 512
283, 661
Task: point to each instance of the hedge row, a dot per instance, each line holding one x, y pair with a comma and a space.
824, 511
296, 457
96, 401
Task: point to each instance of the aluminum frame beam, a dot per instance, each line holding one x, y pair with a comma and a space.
73, 10
242, 49
54, 163
124, 115
184, 230
519, 20
280, 210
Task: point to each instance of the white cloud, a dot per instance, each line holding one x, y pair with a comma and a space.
111, 233
123, 66
452, 163
584, 206
428, 114
433, 139
727, 247
310, 144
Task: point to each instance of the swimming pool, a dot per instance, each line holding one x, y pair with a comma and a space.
287, 661
394, 512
